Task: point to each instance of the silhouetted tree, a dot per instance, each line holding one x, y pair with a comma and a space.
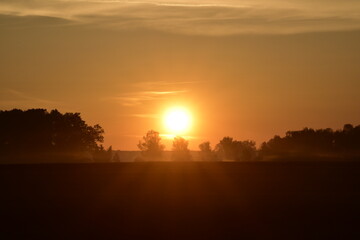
150, 146
348, 128
246, 150
231, 149
225, 148
180, 150
205, 147
38, 134
206, 153
347, 140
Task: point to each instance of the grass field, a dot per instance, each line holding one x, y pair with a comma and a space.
183, 200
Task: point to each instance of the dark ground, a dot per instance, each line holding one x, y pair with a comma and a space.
189, 200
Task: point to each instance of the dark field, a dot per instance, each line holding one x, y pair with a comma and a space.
189, 200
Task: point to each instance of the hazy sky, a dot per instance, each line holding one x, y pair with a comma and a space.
246, 69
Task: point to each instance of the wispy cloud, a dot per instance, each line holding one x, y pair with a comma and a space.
160, 84
10, 98
164, 92
210, 17
137, 98
142, 115
172, 136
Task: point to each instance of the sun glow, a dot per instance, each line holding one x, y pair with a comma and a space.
177, 120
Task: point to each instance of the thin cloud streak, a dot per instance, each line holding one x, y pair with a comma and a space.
172, 136
164, 136
163, 84
16, 99
209, 17
149, 116
137, 98
165, 92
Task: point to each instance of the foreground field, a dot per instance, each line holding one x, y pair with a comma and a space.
181, 200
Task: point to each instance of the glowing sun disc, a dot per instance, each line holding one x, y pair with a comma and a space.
177, 120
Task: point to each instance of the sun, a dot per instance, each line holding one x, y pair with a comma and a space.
177, 120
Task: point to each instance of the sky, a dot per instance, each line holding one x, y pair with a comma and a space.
245, 69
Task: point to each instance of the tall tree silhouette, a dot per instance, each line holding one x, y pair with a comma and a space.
150, 146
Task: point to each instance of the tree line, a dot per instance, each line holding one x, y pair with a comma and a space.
325, 143
40, 135
306, 144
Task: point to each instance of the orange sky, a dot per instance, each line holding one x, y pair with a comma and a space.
248, 71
